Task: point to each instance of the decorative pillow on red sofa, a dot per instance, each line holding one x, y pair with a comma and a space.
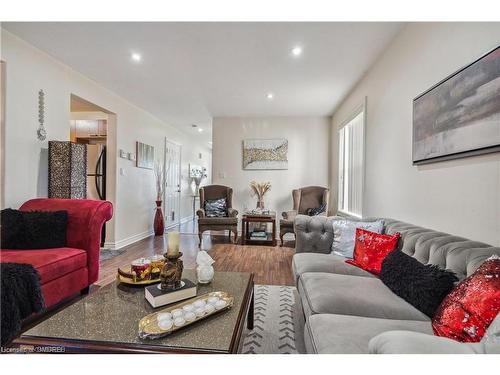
371, 248
465, 314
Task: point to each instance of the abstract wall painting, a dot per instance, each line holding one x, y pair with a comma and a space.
459, 116
265, 154
145, 155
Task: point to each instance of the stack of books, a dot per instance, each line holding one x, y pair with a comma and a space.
258, 235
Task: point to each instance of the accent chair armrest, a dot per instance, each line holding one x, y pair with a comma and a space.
231, 212
289, 215
408, 342
200, 213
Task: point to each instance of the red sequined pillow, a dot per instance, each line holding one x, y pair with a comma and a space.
371, 248
465, 314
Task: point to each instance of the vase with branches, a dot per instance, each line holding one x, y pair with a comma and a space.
161, 182
259, 189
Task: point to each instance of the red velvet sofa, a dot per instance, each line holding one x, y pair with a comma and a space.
72, 269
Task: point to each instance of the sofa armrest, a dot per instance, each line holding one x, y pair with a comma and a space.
407, 342
314, 234
85, 220
200, 213
231, 212
289, 215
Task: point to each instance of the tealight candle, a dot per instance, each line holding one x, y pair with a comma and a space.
190, 316
212, 300
188, 308
165, 324
209, 308
173, 243
179, 322
177, 313
164, 316
199, 303
200, 311
220, 304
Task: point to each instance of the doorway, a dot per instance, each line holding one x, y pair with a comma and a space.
94, 126
172, 191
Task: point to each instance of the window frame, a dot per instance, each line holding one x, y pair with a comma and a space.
359, 109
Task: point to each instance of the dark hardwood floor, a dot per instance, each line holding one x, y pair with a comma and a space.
271, 265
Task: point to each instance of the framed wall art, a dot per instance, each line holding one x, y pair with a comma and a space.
265, 153
459, 116
145, 155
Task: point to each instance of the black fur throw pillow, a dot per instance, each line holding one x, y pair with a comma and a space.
423, 286
33, 229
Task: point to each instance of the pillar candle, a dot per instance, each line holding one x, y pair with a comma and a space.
173, 243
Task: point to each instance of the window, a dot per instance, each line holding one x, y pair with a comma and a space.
351, 164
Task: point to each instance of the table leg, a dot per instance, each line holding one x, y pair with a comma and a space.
243, 233
274, 232
250, 312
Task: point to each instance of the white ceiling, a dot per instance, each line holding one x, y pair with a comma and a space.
191, 72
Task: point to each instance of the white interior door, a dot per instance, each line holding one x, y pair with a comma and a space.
172, 200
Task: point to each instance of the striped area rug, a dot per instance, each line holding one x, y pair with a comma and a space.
278, 322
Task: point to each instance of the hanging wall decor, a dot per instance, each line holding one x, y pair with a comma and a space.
145, 155
459, 116
41, 132
265, 153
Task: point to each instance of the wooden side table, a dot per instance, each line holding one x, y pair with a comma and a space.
269, 240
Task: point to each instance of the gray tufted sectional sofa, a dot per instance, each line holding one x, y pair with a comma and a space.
348, 310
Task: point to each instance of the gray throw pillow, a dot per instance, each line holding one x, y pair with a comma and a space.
215, 207
344, 232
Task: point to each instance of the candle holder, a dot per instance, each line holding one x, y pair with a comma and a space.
171, 273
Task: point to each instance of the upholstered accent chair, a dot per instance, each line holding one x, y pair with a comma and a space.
228, 222
304, 199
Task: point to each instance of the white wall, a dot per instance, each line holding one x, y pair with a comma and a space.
29, 70
308, 157
461, 197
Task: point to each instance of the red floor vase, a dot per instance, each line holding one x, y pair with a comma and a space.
159, 223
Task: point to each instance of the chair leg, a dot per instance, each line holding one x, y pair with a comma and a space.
235, 236
200, 236
281, 238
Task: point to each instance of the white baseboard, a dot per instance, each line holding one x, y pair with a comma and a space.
129, 240
137, 237
181, 221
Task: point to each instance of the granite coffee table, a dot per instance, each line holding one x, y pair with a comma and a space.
106, 321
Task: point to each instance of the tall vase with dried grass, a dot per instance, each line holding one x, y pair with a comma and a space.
160, 178
260, 189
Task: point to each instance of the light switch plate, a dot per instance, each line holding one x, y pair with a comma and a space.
123, 154
131, 156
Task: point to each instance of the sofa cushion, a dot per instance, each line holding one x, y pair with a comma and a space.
330, 263
343, 334
422, 285
344, 234
33, 229
328, 293
465, 314
50, 263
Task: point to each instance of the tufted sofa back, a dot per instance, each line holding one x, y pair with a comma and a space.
460, 255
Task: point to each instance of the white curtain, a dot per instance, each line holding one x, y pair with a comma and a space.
351, 166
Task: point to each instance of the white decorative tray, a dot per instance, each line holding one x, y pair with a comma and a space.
173, 318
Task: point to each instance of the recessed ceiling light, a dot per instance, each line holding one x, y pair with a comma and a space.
136, 57
200, 130
270, 96
297, 51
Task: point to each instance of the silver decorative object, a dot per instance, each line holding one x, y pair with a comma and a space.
41, 132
